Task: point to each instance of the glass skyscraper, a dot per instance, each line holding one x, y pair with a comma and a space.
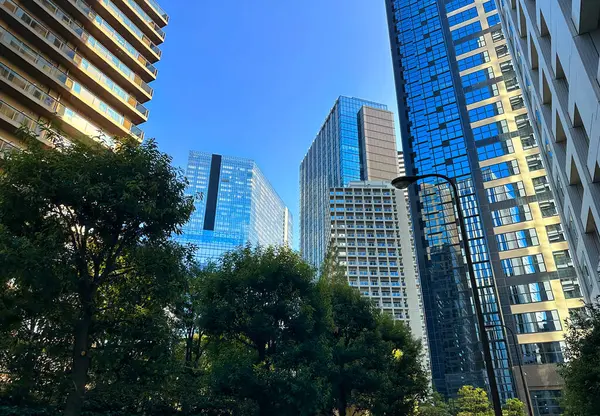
235, 205
462, 115
333, 159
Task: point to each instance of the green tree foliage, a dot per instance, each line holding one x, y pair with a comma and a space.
87, 268
267, 324
102, 314
513, 407
435, 405
581, 371
473, 402
376, 363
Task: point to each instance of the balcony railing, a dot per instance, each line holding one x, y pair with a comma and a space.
70, 53
57, 75
7, 147
144, 16
95, 45
112, 33
158, 9
18, 118
116, 12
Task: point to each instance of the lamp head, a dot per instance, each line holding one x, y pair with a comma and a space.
404, 182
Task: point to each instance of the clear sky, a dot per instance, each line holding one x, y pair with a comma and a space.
256, 78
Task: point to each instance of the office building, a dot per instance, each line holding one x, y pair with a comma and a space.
235, 205
82, 65
462, 114
371, 233
556, 44
355, 143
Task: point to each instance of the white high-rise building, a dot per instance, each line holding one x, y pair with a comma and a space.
370, 229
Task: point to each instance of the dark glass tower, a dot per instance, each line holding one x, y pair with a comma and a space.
462, 115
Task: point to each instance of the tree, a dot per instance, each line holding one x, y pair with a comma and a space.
87, 269
581, 370
435, 405
376, 362
513, 407
266, 325
473, 402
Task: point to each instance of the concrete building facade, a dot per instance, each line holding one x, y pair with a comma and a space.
556, 46
83, 67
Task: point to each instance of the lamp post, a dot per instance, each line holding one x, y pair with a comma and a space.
404, 182
519, 362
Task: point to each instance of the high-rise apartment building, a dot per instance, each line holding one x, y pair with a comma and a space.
83, 66
235, 205
556, 46
353, 144
349, 205
462, 114
371, 233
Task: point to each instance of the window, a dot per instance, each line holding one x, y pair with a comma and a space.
518, 266
473, 61
466, 30
532, 322
481, 94
531, 293
462, 16
497, 35
548, 208
502, 51
543, 353
541, 185
490, 130
457, 4
506, 192
495, 149
517, 239
562, 259
469, 45
493, 20
486, 111
516, 102
477, 76
546, 402
489, 6
512, 215
534, 162
555, 233
500, 170
528, 142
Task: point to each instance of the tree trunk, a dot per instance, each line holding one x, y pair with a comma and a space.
343, 404
80, 365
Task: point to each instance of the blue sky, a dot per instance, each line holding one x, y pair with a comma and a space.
256, 78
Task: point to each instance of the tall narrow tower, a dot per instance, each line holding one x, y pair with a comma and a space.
462, 114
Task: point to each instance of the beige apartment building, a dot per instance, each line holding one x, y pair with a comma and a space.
556, 45
81, 67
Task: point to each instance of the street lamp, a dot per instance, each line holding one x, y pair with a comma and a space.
404, 182
519, 361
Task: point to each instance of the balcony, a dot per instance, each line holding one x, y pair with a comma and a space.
59, 49
104, 32
95, 51
110, 12
155, 11
142, 20
7, 147
50, 107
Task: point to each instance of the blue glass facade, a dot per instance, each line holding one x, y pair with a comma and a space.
462, 114
235, 205
333, 160
436, 131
